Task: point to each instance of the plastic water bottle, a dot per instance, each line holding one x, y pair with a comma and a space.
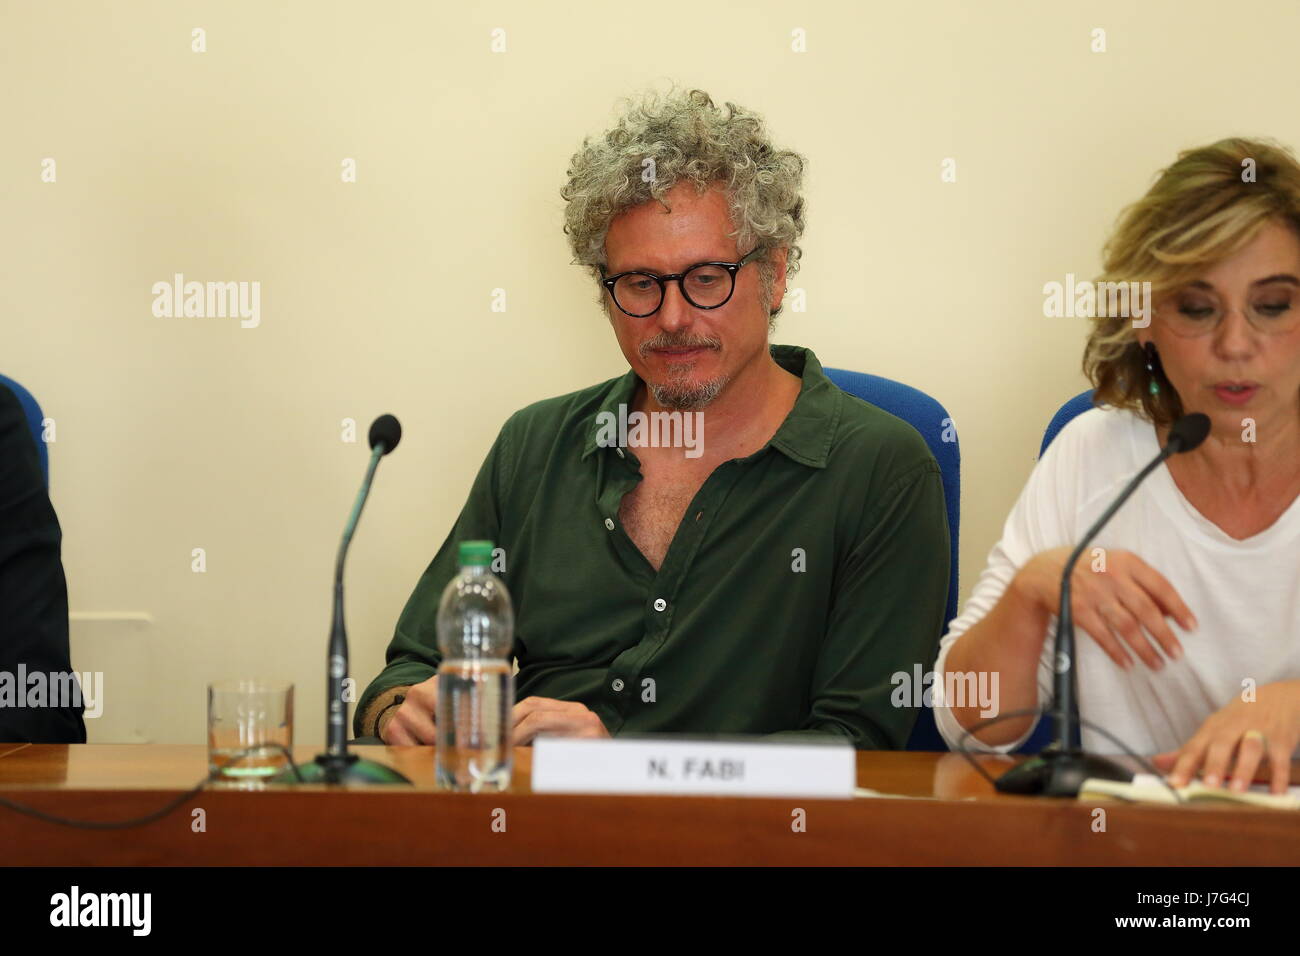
476, 685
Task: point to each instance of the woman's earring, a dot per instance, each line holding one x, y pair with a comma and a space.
1152, 359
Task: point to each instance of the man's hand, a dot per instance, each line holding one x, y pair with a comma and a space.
411, 722
562, 718
1268, 726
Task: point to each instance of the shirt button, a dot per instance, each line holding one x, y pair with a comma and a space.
660, 604
609, 524
618, 683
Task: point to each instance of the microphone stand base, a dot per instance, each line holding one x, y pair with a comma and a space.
348, 768
1059, 773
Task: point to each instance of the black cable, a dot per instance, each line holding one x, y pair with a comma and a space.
157, 814
989, 722
1038, 711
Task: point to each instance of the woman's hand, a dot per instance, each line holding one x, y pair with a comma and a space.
1267, 726
1126, 599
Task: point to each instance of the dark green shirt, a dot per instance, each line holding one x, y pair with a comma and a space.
800, 580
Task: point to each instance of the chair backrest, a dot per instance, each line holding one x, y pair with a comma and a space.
931, 419
34, 418
1070, 410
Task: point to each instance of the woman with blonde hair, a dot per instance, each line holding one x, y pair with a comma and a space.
1188, 642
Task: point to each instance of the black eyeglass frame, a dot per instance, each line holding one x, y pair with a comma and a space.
679, 277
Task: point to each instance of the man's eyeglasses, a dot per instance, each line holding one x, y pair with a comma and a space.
705, 285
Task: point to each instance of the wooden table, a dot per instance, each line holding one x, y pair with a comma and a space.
959, 820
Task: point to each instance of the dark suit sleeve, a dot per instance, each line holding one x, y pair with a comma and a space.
33, 593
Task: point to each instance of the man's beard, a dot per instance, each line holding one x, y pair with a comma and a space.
688, 396
679, 393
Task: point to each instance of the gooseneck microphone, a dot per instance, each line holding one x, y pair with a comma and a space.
1062, 767
336, 765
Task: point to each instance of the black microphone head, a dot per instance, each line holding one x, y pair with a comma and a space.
1189, 431
386, 429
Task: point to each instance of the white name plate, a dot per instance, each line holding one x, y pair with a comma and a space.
686, 766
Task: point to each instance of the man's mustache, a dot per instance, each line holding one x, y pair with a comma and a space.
678, 342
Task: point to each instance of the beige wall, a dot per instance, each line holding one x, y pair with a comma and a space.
175, 434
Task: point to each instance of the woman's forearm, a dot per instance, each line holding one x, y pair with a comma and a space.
1007, 641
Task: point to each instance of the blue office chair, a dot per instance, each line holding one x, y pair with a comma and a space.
34, 417
1070, 410
931, 419
1042, 734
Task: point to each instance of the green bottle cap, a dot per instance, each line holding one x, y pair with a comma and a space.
475, 553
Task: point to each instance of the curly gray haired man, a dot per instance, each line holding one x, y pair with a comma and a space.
720, 540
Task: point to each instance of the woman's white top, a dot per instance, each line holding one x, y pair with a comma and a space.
1245, 595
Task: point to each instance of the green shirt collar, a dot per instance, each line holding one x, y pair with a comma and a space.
806, 434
